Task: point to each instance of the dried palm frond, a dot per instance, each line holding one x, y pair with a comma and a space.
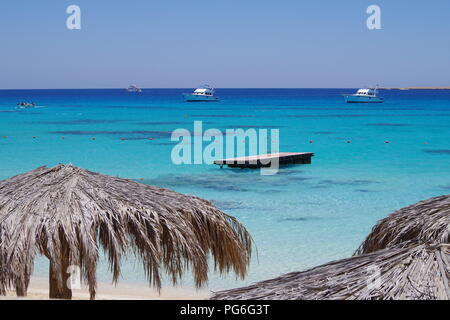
424, 222
417, 272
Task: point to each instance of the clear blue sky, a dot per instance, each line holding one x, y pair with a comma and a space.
232, 43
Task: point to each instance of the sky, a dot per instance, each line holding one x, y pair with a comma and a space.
228, 44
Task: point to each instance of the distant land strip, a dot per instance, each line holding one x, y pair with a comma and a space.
419, 88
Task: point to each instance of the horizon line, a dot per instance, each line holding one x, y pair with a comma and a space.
234, 88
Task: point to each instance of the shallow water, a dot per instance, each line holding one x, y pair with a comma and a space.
305, 215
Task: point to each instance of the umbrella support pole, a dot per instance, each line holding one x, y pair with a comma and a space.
21, 288
55, 291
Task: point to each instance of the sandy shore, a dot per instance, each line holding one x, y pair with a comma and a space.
38, 289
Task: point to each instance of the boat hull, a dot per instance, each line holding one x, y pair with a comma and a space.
198, 98
361, 99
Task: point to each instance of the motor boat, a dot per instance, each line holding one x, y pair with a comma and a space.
23, 105
204, 93
369, 95
134, 88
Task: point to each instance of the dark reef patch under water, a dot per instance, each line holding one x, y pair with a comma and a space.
324, 132
156, 123
138, 138
148, 134
79, 122
365, 190
229, 205
355, 182
437, 151
324, 115
225, 115
142, 107
232, 180
159, 143
299, 219
251, 126
381, 124
210, 182
281, 108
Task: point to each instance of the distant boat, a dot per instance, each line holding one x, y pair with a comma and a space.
134, 88
204, 93
364, 96
23, 105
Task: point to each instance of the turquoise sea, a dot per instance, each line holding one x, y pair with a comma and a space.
305, 215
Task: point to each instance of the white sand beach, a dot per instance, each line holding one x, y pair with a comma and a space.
38, 289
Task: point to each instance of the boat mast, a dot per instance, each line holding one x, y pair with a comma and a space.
376, 89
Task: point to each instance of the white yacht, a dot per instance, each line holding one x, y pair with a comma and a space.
134, 88
204, 93
364, 96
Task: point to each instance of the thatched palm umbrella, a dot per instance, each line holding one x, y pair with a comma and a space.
416, 272
424, 222
410, 249
68, 214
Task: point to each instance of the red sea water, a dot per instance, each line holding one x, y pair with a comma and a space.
305, 215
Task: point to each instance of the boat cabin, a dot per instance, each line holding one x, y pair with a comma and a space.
204, 91
366, 92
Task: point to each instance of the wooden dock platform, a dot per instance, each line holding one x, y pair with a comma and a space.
265, 160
